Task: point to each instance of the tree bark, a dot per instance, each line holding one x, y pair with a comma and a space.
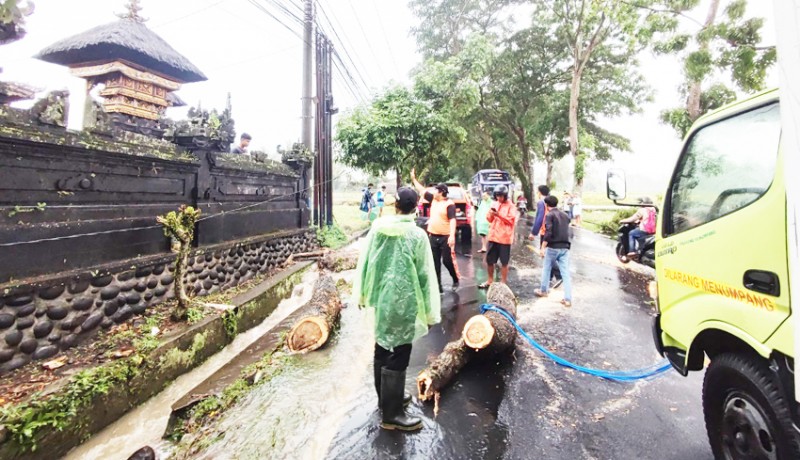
695, 89
574, 95
550, 166
339, 261
457, 354
322, 315
491, 331
398, 179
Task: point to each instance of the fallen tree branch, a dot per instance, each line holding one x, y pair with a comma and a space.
321, 316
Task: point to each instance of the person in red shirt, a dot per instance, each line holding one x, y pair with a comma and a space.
502, 219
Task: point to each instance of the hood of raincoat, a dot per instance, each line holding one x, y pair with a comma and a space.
396, 277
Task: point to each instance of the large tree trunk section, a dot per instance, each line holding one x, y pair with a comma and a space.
492, 331
442, 370
339, 261
322, 315
695, 87
574, 96
487, 334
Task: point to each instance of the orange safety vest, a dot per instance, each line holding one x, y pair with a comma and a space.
438, 223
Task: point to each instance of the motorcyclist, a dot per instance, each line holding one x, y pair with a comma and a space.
645, 217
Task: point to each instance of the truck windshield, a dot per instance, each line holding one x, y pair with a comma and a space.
496, 176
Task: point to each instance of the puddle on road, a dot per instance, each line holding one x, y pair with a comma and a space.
326, 407
146, 424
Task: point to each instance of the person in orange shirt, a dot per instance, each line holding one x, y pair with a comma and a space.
502, 219
441, 229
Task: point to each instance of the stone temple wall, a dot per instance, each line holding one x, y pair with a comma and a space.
45, 316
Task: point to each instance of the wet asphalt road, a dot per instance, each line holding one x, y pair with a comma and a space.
526, 407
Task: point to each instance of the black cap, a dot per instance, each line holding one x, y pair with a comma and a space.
407, 199
442, 187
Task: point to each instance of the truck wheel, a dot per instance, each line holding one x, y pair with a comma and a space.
621, 254
747, 415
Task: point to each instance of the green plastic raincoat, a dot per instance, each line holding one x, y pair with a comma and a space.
396, 276
481, 224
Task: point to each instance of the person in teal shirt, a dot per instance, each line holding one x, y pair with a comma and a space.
396, 276
481, 224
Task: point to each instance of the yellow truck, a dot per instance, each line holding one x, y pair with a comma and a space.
726, 242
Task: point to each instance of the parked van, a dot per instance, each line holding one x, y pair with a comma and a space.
722, 273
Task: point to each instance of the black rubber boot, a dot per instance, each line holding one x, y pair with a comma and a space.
376, 367
393, 414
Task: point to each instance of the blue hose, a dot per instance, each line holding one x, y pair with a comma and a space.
645, 373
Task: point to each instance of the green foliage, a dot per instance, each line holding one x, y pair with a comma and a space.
180, 227
57, 412
230, 320
194, 314
331, 236
611, 226
396, 132
726, 44
22, 209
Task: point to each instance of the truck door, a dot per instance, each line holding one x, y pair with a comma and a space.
722, 250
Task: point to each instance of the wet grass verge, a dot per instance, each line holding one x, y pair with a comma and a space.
67, 412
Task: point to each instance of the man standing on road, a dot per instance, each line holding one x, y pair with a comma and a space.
441, 229
380, 195
555, 249
395, 276
502, 217
543, 192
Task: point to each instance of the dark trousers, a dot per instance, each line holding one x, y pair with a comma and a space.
396, 360
442, 254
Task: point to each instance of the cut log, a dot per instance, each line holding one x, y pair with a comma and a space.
339, 261
304, 255
483, 336
491, 331
322, 314
441, 370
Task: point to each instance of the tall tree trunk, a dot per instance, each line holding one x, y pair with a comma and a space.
574, 95
695, 89
550, 165
399, 179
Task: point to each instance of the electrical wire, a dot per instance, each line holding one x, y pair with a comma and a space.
123, 230
344, 45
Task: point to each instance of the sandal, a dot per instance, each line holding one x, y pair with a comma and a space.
481, 250
566, 303
539, 293
484, 285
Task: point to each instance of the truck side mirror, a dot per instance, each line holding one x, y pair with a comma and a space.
615, 184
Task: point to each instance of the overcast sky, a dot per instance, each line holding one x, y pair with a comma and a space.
244, 51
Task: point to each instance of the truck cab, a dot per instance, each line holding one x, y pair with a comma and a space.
722, 278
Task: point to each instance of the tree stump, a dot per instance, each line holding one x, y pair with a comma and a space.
491, 331
339, 261
483, 336
322, 315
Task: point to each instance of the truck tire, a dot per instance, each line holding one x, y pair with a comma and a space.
747, 415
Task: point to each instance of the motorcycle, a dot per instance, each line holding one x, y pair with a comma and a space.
646, 254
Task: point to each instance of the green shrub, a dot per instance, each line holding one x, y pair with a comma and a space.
611, 226
331, 236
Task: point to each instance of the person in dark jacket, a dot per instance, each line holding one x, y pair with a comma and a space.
555, 249
543, 192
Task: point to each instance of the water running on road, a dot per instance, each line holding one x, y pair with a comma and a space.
146, 424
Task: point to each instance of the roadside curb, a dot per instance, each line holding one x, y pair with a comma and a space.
132, 381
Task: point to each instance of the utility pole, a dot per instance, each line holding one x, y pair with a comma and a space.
305, 132
307, 74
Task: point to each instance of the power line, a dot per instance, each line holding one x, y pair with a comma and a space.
264, 10
343, 45
385, 37
366, 39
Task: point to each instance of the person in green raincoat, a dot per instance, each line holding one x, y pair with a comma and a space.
396, 276
481, 224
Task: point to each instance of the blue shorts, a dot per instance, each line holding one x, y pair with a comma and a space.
380, 204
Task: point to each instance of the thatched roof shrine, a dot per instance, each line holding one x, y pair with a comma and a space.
124, 40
